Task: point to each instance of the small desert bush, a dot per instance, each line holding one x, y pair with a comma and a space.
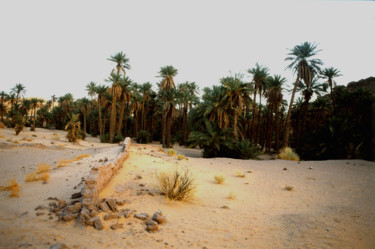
12, 186
143, 137
289, 188
232, 195
219, 178
42, 168
171, 152
239, 173
177, 184
180, 156
288, 154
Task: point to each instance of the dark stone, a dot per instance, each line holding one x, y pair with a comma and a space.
98, 224
117, 226
141, 185
90, 222
159, 218
93, 213
39, 213
40, 207
53, 199
68, 217
76, 195
77, 207
52, 204
141, 216
152, 226
85, 213
62, 204
127, 212
74, 202
112, 204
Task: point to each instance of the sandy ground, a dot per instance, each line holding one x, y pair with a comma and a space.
331, 204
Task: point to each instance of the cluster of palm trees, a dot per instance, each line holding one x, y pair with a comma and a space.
250, 112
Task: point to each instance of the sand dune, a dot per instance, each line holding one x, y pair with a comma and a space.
331, 204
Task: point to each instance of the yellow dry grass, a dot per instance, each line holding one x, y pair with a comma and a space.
42, 168
11, 186
239, 173
40, 174
171, 152
180, 156
219, 178
288, 154
65, 162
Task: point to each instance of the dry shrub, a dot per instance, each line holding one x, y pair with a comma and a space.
219, 178
180, 157
288, 154
2, 126
177, 184
232, 195
42, 168
44, 176
289, 188
12, 186
239, 173
81, 156
32, 177
63, 162
171, 152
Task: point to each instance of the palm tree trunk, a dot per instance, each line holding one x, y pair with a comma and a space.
184, 125
100, 118
235, 124
112, 122
277, 130
252, 129
259, 116
121, 117
84, 121
34, 119
287, 125
168, 129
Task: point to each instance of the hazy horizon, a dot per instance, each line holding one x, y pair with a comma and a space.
58, 48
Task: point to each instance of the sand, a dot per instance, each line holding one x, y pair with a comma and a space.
331, 204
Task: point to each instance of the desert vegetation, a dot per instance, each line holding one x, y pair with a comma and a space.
236, 118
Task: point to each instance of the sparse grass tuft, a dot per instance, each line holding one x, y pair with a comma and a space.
11, 186
239, 173
177, 184
180, 157
232, 195
65, 162
289, 188
288, 154
44, 176
171, 152
219, 178
42, 168
81, 157
32, 177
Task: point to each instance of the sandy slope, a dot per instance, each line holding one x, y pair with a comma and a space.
331, 205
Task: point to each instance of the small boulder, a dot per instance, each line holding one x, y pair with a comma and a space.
117, 226
40, 207
98, 224
77, 207
159, 218
112, 204
91, 221
85, 213
127, 212
76, 195
141, 216
110, 216
62, 204
103, 206
93, 213
152, 226
68, 217
52, 204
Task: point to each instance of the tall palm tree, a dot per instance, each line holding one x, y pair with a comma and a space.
146, 90
53, 99
124, 98
260, 74
330, 73
19, 90
100, 90
306, 66
84, 103
167, 87
34, 102
114, 79
275, 97
236, 90
122, 63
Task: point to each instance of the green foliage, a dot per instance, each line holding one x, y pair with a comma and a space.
245, 150
118, 138
82, 135
143, 137
73, 128
104, 138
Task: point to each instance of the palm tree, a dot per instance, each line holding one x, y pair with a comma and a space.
84, 103
19, 90
73, 128
236, 90
3, 96
124, 98
329, 74
146, 90
122, 63
136, 106
34, 103
53, 99
260, 74
114, 79
100, 90
167, 87
275, 98
306, 66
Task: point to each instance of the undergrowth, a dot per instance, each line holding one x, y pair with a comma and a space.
288, 154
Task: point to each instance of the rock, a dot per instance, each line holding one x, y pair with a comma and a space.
117, 226
40, 207
122, 202
85, 213
310, 167
93, 213
62, 204
39, 213
141, 185
77, 207
152, 226
105, 159
110, 216
52, 204
74, 201
127, 212
159, 218
138, 177
53, 199
91, 221
98, 224
141, 216
285, 168
58, 246
112, 204
103, 206
224, 207
76, 195
100, 160
68, 217
69, 208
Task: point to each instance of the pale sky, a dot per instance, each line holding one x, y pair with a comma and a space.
56, 47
